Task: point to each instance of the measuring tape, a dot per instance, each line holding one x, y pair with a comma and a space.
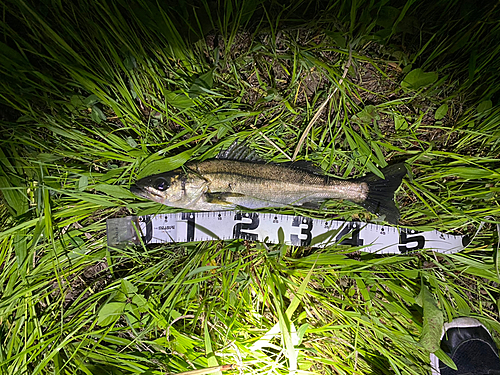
274, 228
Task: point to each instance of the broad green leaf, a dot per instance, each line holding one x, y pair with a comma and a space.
95, 115
417, 78
110, 313
206, 80
367, 115
386, 16
484, 106
131, 142
91, 100
430, 338
178, 99
77, 101
83, 182
410, 274
337, 37
441, 112
140, 302
302, 331
201, 84
128, 288
174, 314
129, 62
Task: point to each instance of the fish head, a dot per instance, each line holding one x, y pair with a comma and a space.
176, 189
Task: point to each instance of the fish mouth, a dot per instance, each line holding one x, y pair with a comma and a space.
145, 192
140, 192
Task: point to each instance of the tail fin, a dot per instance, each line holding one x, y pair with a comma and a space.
380, 199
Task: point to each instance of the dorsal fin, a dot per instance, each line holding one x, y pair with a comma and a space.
304, 165
239, 151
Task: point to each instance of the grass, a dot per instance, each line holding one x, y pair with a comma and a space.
92, 93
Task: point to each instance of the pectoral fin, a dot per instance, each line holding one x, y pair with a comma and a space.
221, 198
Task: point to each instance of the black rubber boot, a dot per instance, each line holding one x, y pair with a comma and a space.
470, 346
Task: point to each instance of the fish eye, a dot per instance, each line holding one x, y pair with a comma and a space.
161, 184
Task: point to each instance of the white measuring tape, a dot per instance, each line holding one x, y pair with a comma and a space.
275, 228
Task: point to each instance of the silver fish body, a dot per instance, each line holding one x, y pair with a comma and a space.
216, 184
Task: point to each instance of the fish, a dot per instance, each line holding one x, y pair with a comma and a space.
238, 179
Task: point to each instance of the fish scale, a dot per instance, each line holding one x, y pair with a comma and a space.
273, 185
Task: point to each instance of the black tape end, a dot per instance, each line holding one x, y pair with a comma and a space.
466, 240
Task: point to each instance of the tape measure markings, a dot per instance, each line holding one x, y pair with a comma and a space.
297, 230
